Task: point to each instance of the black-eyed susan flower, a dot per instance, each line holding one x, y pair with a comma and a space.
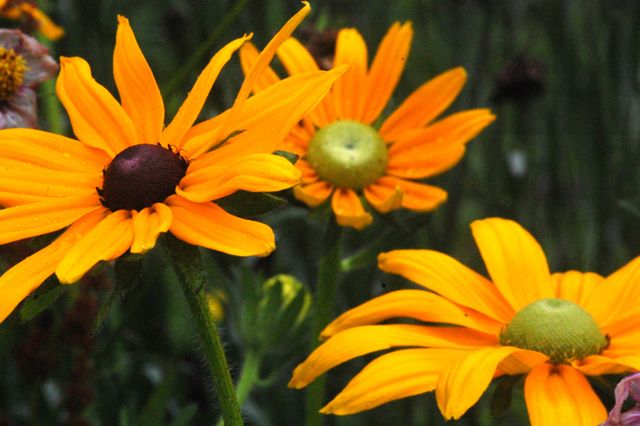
556, 329
28, 10
345, 154
128, 178
24, 64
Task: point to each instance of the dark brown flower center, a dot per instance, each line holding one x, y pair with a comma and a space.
141, 176
12, 69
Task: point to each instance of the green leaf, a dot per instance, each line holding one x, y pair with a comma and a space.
39, 302
251, 204
293, 158
501, 398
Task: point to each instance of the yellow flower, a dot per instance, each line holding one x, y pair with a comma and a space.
128, 178
21, 9
554, 328
345, 155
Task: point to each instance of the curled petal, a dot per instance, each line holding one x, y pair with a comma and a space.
148, 224
348, 209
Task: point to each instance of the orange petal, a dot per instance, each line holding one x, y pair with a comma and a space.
349, 90
393, 376
597, 365
309, 174
423, 163
521, 362
105, 241
50, 151
97, 118
29, 220
417, 304
576, 286
45, 25
463, 383
418, 197
253, 173
425, 104
383, 198
248, 57
208, 225
139, 93
561, 395
348, 209
386, 69
191, 107
148, 224
515, 261
358, 341
449, 278
314, 193
23, 278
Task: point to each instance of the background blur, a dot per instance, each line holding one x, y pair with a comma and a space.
562, 158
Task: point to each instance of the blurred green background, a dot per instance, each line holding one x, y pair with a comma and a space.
562, 159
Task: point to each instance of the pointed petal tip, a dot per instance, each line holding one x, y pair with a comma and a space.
122, 20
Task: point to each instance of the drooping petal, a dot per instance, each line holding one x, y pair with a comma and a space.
97, 118
449, 278
139, 93
418, 304
23, 278
521, 362
463, 383
50, 151
425, 104
253, 172
249, 55
349, 210
386, 69
392, 376
191, 107
561, 395
314, 193
515, 261
105, 241
348, 91
148, 224
418, 197
576, 286
424, 162
597, 365
358, 341
383, 198
43, 217
208, 225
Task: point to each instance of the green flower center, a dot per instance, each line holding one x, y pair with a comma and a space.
560, 329
348, 154
12, 69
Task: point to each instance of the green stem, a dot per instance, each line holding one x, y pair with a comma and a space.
187, 262
249, 377
51, 105
324, 307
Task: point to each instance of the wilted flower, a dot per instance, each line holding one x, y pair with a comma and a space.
24, 64
628, 387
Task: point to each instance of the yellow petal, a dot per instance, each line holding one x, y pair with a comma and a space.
348, 209
249, 55
314, 193
418, 197
50, 151
624, 335
358, 341
23, 278
418, 304
97, 118
261, 63
425, 104
137, 86
597, 365
108, 240
148, 224
515, 261
253, 173
521, 362
191, 107
576, 286
386, 69
383, 198
463, 383
42, 217
349, 90
561, 395
393, 376
208, 225
449, 278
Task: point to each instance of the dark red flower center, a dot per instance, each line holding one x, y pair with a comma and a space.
141, 176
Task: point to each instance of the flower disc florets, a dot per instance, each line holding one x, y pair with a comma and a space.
141, 176
558, 328
348, 154
12, 69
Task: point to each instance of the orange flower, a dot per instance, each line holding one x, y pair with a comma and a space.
128, 178
556, 329
344, 153
26, 9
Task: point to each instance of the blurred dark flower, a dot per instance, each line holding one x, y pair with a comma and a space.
321, 45
628, 387
520, 80
32, 16
24, 64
